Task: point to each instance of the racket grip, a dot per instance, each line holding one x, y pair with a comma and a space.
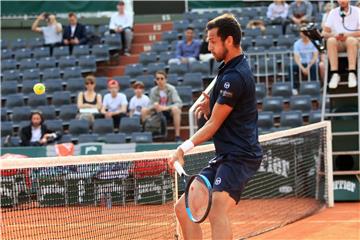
179, 169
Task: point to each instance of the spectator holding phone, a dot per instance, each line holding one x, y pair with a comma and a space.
74, 33
342, 33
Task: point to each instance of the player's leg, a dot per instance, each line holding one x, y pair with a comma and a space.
332, 49
176, 114
219, 215
352, 50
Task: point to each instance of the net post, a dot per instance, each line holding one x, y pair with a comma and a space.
176, 195
329, 165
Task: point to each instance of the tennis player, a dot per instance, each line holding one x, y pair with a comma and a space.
232, 123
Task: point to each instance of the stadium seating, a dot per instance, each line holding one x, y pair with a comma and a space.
6, 128
68, 112
66, 62
153, 67
53, 86
27, 63
147, 57
35, 101
8, 87
134, 70
8, 64
81, 50
113, 41
4, 116
273, 104
61, 98
59, 52
310, 88
166, 56
11, 75
180, 25
265, 121
128, 125
14, 100
291, 119
41, 52
141, 137
51, 73
148, 81
87, 63
20, 114
77, 127
315, 116
282, 90
173, 79
75, 85
35, 43
160, 47
47, 62
54, 125
201, 67
48, 112
115, 138
6, 54
179, 69
27, 86
302, 103
103, 126
87, 138
18, 44
185, 93
260, 91
169, 36
124, 81
101, 52
129, 93
194, 80
31, 74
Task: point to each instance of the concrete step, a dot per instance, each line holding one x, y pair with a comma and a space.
153, 27
147, 37
110, 71
124, 60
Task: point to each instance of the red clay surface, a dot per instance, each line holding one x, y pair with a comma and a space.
341, 222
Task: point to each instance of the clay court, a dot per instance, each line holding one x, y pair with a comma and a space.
158, 222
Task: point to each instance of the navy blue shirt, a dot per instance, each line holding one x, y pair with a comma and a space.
235, 87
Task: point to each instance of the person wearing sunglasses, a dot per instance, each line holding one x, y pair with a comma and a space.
89, 102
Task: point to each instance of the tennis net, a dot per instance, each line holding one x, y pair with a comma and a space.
131, 196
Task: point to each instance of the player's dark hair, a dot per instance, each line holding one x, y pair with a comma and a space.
121, 3
189, 28
36, 112
71, 14
161, 72
227, 25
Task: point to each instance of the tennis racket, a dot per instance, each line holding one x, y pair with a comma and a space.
198, 194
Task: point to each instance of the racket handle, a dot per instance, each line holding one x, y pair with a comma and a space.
179, 169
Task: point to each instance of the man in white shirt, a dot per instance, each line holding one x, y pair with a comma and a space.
342, 33
139, 101
114, 103
52, 32
122, 24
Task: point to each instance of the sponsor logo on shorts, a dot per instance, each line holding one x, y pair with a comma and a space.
218, 181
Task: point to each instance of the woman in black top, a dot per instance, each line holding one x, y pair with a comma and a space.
89, 102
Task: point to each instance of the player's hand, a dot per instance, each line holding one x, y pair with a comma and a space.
203, 108
178, 155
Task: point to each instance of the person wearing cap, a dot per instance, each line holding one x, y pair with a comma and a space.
114, 103
138, 101
165, 99
122, 23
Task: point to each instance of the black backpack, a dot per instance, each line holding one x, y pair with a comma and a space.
156, 124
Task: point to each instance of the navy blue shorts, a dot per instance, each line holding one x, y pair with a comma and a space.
230, 173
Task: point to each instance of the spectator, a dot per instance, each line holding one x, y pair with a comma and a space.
89, 102
75, 33
187, 50
139, 101
51, 32
122, 23
342, 34
277, 12
36, 133
165, 99
300, 11
114, 103
305, 57
204, 53
358, 4
327, 8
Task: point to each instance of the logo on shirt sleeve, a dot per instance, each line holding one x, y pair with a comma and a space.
226, 85
226, 94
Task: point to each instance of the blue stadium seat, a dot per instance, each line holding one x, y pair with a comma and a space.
191, 16
169, 36
194, 80
264, 41
173, 79
315, 116
134, 70
200, 24
81, 50
72, 72
286, 40
115, 138
48, 112
129, 93
274, 30
260, 92
61, 51
31, 74
246, 42
101, 52
88, 138
75, 85
20, 114
129, 125
265, 121
124, 81
4, 44
52, 86
103, 126
252, 32
22, 53
68, 112
147, 57
6, 128
28, 85
51, 73
201, 67
282, 89
66, 62
159, 47
154, 67
141, 137
41, 52
90, 29
273, 104
180, 25
6, 54
27, 63
113, 41
101, 83
166, 56
148, 80
54, 125
8, 64
66, 138
87, 64
47, 62
103, 29
301, 103
8, 87
35, 101
179, 69
35, 42
185, 94
11, 75
61, 98
291, 119
311, 88
19, 43
4, 116
14, 100
77, 127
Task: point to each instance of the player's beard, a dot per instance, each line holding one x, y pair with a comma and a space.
221, 56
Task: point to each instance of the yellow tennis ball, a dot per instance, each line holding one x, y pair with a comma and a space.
39, 88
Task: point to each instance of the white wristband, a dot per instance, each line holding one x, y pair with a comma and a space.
187, 146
